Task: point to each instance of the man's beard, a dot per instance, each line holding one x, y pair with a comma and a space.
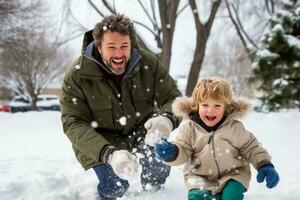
118, 71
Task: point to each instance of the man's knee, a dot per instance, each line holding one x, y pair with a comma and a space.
155, 174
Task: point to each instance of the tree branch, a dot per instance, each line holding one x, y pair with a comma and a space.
237, 28
242, 28
95, 8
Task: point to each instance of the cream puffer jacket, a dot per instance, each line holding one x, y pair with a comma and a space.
211, 159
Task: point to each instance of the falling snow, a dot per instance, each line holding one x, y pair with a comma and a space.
77, 66
123, 120
94, 124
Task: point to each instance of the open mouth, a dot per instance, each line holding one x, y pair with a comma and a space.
118, 61
210, 118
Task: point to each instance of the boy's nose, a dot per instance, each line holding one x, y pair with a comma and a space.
210, 109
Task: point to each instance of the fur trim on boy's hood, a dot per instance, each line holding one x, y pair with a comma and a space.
182, 107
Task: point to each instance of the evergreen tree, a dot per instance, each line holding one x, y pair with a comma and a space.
277, 63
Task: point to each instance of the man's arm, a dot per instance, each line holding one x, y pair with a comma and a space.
76, 118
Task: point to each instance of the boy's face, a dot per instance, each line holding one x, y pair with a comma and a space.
115, 51
211, 111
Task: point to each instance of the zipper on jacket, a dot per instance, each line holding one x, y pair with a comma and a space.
211, 139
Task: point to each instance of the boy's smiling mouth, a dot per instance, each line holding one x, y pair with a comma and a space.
210, 118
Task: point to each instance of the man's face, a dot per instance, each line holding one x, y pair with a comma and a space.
115, 50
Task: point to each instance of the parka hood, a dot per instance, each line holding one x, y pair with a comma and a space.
182, 107
87, 39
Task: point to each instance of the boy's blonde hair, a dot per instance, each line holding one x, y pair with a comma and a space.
214, 88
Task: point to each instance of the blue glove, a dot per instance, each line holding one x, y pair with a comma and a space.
164, 150
269, 173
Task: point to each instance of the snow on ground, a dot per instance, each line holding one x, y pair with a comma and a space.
37, 162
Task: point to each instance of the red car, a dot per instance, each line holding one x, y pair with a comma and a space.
4, 107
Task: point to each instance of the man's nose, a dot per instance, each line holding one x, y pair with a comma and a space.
118, 53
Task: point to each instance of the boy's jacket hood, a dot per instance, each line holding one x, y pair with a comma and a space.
182, 107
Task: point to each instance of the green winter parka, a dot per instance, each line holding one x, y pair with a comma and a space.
96, 112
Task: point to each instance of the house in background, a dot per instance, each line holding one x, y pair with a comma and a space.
54, 87
5, 94
52, 90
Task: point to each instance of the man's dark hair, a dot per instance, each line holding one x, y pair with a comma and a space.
114, 23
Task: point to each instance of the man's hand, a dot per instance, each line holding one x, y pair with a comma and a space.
157, 128
124, 164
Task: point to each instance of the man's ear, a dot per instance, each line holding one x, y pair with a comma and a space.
99, 49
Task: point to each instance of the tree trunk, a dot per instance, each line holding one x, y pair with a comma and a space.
168, 15
197, 62
203, 32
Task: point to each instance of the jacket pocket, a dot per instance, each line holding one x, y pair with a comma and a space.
102, 112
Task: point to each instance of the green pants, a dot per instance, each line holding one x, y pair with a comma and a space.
233, 190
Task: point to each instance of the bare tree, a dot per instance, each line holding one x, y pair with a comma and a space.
12, 13
29, 63
239, 18
162, 28
233, 65
32, 56
203, 32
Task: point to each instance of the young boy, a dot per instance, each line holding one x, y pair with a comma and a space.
216, 148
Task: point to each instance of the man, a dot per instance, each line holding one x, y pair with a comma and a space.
109, 94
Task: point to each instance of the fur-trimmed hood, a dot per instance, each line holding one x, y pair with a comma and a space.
231, 145
182, 107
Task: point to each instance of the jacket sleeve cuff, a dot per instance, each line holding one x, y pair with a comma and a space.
105, 152
264, 164
172, 118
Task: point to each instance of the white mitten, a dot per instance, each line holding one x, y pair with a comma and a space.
157, 128
124, 164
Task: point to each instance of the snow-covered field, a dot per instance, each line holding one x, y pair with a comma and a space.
37, 162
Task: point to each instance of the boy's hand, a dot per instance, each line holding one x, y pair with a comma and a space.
269, 173
164, 150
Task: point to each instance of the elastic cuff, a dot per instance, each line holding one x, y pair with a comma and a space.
172, 118
264, 164
105, 152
